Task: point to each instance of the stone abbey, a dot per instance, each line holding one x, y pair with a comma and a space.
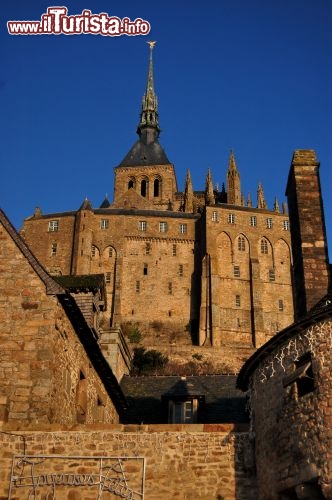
201, 275
207, 267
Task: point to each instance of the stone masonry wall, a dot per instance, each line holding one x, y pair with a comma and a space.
293, 432
181, 461
45, 373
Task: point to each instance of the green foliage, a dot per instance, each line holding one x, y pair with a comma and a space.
144, 362
134, 335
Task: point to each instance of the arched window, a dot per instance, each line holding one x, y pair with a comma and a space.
241, 244
156, 188
130, 184
143, 188
264, 246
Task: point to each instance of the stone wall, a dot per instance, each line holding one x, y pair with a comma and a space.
293, 430
181, 461
45, 373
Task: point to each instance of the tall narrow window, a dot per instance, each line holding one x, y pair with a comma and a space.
253, 220
156, 188
280, 305
162, 227
142, 225
170, 288
147, 248
110, 252
272, 275
285, 225
93, 251
180, 269
145, 269
214, 216
174, 250
143, 188
104, 224
231, 218
264, 246
138, 286
130, 184
241, 244
183, 228
108, 278
54, 249
237, 301
269, 223
236, 272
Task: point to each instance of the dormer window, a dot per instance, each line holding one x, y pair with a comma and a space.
184, 403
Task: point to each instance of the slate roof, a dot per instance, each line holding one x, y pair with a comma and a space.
224, 403
145, 154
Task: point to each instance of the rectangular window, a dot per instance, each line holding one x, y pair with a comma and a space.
280, 305
285, 225
170, 288
162, 227
142, 225
54, 248
180, 269
174, 250
145, 269
108, 278
93, 251
104, 224
147, 248
110, 252
237, 301
253, 220
214, 216
231, 218
272, 275
138, 286
53, 225
236, 271
183, 228
269, 223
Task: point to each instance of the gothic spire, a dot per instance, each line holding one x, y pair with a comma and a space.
209, 195
188, 194
260, 197
148, 128
233, 182
276, 206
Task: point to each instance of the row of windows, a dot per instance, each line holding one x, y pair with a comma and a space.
145, 185
53, 225
146, 267
238, 302
169, 287
231, 219
237, 273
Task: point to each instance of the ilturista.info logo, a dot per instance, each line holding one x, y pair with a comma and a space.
56, 21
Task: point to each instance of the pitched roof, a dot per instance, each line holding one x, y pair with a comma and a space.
52, 287
224, 403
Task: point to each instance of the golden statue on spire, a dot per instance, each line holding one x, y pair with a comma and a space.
152, 44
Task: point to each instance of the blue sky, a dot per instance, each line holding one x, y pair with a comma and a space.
255, 77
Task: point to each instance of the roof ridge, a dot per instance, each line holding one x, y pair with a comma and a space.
52, 287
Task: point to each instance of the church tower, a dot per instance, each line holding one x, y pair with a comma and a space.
145, 178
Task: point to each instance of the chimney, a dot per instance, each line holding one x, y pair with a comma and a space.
308, 233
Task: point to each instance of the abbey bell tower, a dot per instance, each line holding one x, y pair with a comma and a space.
145, 178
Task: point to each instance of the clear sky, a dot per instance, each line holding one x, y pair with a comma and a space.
253, 76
